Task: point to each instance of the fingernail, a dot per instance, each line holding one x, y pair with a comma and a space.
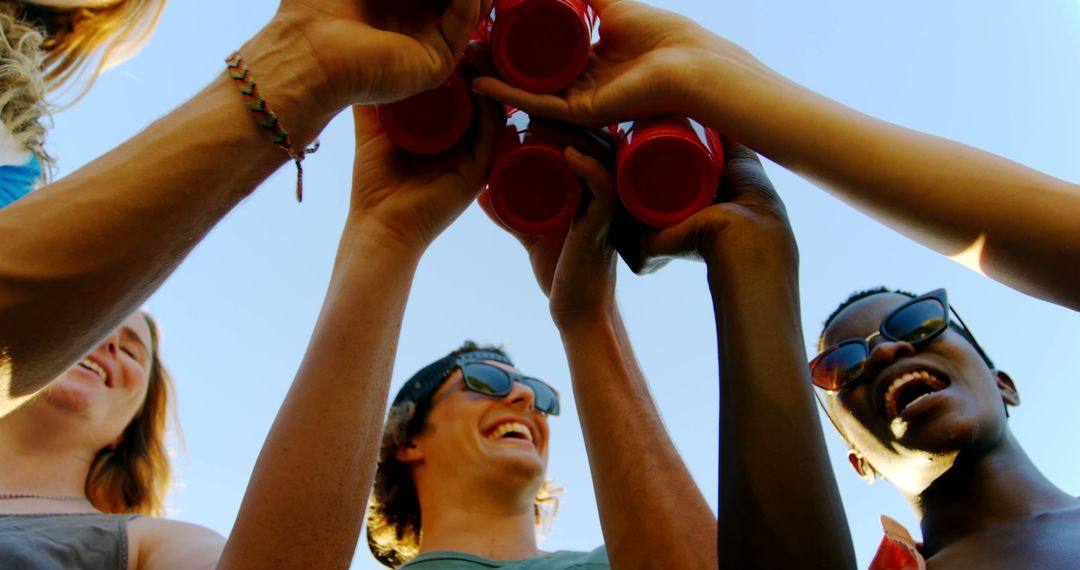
574, 152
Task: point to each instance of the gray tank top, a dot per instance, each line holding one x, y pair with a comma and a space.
64, 542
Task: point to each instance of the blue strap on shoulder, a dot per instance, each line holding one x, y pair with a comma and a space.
17, 181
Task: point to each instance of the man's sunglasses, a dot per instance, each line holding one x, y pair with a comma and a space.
490, 380
916, 322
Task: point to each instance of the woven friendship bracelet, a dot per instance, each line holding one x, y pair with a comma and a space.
267, 119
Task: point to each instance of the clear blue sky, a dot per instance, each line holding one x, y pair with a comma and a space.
238, 312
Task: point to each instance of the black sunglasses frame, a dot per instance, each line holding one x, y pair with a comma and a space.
938, 295
532, 383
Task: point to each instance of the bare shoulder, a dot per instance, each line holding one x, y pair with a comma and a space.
163, 544
1049, 540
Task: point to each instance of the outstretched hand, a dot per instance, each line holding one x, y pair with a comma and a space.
575, 268
749, 221
413, 198
642, 66
372, 51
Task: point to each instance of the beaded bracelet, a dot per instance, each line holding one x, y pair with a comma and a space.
267, 119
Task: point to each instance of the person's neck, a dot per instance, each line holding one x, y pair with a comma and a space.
999, 488
493, 526
40, 456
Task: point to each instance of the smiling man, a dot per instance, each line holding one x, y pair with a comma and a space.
466, 443
921, 404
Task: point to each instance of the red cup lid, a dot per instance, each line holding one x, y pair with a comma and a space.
541, 46
665, 175
432, 121
533, 192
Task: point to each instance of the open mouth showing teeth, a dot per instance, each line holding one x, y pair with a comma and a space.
512, 430
96, 369
909, 388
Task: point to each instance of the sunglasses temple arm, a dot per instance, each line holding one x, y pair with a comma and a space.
970, 335
825, 409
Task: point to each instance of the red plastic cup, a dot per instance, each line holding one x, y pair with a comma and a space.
667, 170
432, 121
541, 46
533, 192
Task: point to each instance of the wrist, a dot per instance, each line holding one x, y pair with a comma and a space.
721, 80
291, 80
744, 256
577, 324
367, 232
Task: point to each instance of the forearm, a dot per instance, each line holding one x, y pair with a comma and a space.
308, 492
943, 194
651, 510
779, 505
81, 254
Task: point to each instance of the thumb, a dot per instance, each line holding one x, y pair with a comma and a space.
677, 242
596, 221
459, 21
366, 123
685, 239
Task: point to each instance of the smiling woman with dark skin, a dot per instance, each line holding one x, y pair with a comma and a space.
930, 415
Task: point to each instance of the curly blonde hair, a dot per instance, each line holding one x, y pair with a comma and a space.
134, 476
48, 50
393, 516
22, 83
84, 41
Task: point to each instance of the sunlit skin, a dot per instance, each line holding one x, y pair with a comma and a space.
48, 445
313, 59
106, 406
981, 502
93, 411
466, 481
454, 445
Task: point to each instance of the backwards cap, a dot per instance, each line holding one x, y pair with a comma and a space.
425, 382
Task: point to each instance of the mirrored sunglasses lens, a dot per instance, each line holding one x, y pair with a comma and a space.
839, 367
917, 321
545, 397
486, 379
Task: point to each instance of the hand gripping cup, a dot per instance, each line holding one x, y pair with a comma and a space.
541, 46
432, 121
668, 168
533, 192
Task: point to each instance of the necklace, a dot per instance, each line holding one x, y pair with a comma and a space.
45, 497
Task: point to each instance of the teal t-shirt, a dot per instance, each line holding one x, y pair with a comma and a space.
443, 560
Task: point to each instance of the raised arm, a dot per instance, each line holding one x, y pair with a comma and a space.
308, 493
79, 255
779, 505
1008, 221
668, 524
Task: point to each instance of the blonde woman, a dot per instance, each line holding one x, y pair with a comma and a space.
83, 464
55, 46
81, 254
